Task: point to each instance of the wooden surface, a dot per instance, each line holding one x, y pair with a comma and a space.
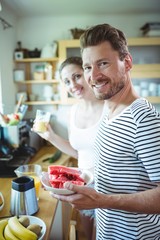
47, 152
47, 204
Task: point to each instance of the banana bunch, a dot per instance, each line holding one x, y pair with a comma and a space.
18, 229
3, 224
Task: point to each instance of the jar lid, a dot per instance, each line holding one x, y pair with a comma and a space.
23, 183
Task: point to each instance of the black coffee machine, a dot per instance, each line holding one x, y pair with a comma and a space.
11, 155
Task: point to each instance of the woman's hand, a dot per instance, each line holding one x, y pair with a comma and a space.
47, 135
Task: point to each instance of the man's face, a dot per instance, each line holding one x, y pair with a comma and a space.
105, 73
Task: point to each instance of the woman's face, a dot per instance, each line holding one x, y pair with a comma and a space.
73, 78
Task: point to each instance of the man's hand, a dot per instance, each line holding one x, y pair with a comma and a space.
83, 198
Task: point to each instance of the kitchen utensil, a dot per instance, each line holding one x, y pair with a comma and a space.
22, 110
19, 103
23, 196
31, 170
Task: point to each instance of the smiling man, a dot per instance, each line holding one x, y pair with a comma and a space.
127, 147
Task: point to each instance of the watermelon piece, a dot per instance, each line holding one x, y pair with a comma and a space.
62, 169
52, 177
58, 175
59, 184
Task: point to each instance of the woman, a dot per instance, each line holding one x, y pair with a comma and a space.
85, 117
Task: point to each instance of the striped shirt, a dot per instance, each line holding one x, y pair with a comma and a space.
127, 159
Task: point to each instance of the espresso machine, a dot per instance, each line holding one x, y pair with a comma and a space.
18, 144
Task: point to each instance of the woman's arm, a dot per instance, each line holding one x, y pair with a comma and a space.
58, 141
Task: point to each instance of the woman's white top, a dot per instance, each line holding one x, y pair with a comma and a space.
82, 140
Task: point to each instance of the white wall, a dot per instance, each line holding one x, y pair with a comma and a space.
36, 32
7, 45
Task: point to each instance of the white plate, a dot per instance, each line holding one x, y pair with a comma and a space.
36, 220
86, 175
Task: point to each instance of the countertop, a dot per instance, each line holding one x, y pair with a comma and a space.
47, 204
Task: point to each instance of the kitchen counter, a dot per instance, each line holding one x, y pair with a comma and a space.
47, 204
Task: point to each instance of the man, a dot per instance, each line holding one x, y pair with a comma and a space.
127, 147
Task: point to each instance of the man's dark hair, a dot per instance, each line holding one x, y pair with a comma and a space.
105, 32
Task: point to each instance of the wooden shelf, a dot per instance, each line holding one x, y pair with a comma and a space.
144, 41
43, 102
27, 64
155, 100
30, 60
145, 71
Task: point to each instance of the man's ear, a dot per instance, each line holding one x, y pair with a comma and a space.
128, 62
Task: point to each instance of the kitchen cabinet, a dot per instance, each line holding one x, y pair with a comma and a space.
146, 66
30, 83
67, 48
146, 63
146, 70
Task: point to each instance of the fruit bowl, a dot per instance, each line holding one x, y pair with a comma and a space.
22, 227
36, 220
85, 174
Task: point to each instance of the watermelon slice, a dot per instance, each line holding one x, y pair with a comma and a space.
58, 175
61, 169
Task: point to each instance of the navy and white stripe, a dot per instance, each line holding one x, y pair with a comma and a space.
127, 158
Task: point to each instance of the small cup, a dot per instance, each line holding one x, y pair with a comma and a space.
31, 170
41, 121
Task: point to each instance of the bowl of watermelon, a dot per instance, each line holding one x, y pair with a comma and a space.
54, 179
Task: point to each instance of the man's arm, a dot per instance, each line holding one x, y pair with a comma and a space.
87, 198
